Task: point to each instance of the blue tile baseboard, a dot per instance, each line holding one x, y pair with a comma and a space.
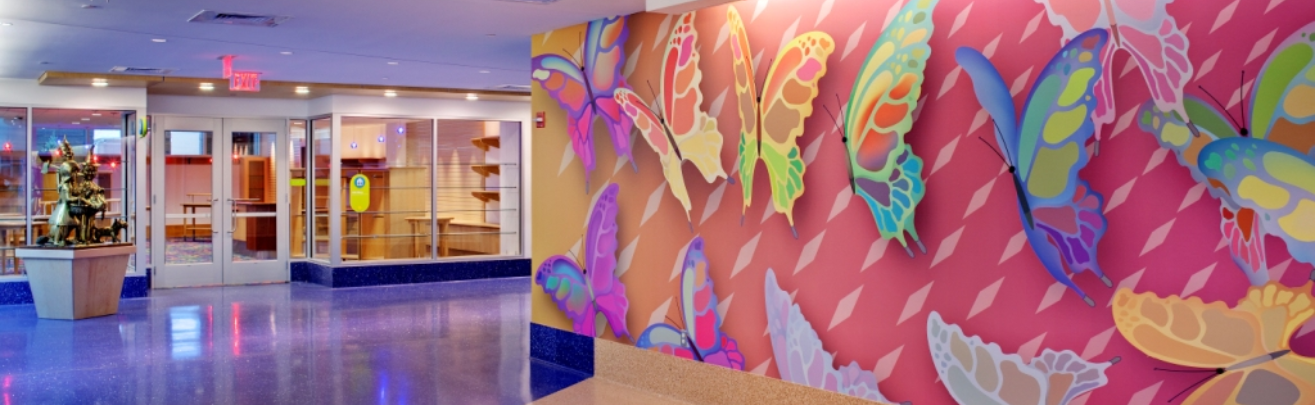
563, 348
411, 273
18, 292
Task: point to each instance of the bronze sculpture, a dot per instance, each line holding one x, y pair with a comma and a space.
73, 220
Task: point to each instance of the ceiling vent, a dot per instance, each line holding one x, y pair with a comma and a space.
141, 71
253, 20
512, 87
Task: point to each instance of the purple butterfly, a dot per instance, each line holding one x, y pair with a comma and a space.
702, 338
585, 89
584, 291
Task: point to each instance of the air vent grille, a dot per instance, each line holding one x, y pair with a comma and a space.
252, 20
512, 87
141, 70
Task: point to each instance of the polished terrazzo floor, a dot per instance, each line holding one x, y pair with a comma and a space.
442, 343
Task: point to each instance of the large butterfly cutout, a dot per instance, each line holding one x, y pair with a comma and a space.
882, 168
585, 89
585, 291
1045, 150
1244, 350
683, 131
799, 354
701, 339
977, 372
772, 121
1275, 161
1145, 29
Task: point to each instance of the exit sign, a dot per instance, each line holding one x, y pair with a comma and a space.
244, 81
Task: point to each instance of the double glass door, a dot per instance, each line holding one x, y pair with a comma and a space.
218, 215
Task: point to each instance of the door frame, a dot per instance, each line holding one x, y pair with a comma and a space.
221, 270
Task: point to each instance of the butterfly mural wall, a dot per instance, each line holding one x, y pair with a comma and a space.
852, 304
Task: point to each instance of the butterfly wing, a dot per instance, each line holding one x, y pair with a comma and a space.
886, 173
1265, 384
1152, 36
1283, 101
604, 57
666, 339
1276, 181
699, 311
977, 372
695, 132
1238, 224
799, 354
564, 281
746, 94
566, 83
993, 96
788, 95
600, 258
650, 127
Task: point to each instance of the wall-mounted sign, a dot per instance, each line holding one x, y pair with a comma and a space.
358, 193
244, 81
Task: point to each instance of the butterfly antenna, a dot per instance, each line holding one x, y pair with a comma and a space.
1221, 106
1242, 105
673, 321
655, 98
993, 149
837, 122
1198, 383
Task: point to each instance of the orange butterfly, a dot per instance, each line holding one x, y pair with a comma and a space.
1246, 346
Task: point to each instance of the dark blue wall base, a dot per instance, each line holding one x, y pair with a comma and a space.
18, 292
563, 348
387, 274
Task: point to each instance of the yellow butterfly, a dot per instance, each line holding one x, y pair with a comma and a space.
1245, 347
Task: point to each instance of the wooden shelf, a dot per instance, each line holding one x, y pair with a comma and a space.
486, 196
486, 142
487, 170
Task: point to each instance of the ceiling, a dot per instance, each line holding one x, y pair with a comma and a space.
464, 44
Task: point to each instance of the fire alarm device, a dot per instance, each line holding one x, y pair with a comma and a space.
540, 120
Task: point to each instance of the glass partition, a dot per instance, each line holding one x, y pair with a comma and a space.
298, 190
411, 189
13, 222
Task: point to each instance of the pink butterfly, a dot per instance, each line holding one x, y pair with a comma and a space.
585, 89
702, 338
1143, 28
583, 292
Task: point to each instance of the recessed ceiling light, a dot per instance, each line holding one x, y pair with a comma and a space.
286, 52
159, 40
76, 123
484, 72
390, 93
95, 114
99, 82
303, 90
86, 119
6, 24
90, 6
392, 62
207, 86
472, 97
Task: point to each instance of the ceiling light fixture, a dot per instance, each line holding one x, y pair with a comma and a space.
159, 40
303, 90
95, 114
99, 82
390, 93
472, 96
86, 119
207, 86
286, 52
7, 24
76, 123
392, 62
485, 72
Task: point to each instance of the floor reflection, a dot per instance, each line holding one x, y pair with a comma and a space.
453, 343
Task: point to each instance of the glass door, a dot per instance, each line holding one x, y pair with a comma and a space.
216, 202
185, 193
255, 234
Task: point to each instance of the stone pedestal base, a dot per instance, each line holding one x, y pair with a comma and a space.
76, 283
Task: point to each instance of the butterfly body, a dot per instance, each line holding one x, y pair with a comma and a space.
584, 290
883, 170
701, 338
1044, 148
679, 131
585, 89
799, 355
978, 372
1245, 347
772, 121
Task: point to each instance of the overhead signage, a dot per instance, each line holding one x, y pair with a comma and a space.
244, 81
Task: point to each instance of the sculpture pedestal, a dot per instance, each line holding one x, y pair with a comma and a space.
76, 283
